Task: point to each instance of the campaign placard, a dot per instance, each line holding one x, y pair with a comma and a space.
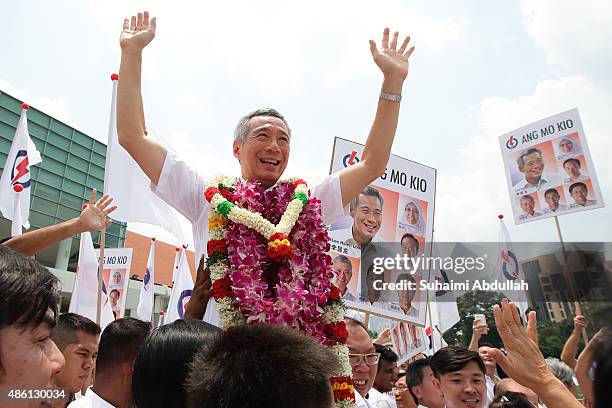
408, 340
549, 170
397, 207
116, 277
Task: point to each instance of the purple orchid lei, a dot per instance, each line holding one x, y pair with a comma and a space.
291, 293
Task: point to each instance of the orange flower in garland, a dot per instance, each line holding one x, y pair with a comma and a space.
343, 388
279, 248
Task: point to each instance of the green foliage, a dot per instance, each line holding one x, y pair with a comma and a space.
471, 303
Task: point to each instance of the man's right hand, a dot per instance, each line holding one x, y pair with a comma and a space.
137, 32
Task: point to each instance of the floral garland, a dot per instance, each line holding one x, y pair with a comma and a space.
280, 273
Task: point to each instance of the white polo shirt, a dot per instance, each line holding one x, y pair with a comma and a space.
182, 187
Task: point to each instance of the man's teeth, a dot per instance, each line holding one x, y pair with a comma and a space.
360, 382
274, 162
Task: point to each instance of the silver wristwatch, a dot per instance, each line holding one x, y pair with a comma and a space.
390, 97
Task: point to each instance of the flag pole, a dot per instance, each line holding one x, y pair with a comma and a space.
100, 277
570, 280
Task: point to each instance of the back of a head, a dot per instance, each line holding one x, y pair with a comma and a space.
261, 366
602, 359
386, 354
511, 399
119, 343
163, 360
68, 324
454, 358
562, 371
27, 290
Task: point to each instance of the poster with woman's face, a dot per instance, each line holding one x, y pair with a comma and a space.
116, 275
392, 216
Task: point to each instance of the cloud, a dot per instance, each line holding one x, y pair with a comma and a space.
575, 36
469, 199
56, 106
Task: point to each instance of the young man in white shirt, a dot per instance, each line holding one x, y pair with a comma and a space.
386, 377
459, 374
112, 387
261, 140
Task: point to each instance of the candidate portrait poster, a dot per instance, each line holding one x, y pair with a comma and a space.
395, 214
116, 277
549, 170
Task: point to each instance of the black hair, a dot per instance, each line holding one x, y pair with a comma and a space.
67, 326
119, 342
368, 191
453, 358
510, 399
163, 359
386, 354
414, 374
260, 366
416, 241
579, 184
602, 358
27, 291
572, 160
550, 191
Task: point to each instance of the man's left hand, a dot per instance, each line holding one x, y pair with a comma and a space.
392, 62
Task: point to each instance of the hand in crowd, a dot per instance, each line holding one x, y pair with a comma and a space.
580, 322
202, 292
392, 62
94, 215
137, 32
480, 329
383, 337
523, 360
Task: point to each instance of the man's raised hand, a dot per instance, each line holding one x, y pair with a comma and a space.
94, 214
392, 62
137, 32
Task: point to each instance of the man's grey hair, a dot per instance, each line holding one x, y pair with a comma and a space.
521, 159
344, 259
369, 191
528, 197
243, 124
562, 371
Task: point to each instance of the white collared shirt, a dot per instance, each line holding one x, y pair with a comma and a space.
361, 402
379, 400
524, 187
90, 400
183, 188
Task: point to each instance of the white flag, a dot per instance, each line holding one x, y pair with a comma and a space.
175, 266
130, 187
444, 311
147, 291
15, 181
434, 336
507, 268
85, 293
181, 291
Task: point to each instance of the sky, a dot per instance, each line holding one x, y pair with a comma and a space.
480, 69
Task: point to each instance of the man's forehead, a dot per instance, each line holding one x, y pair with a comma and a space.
267, 123
533, 156
368, 201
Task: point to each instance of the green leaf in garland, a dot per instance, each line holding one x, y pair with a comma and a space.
224, 207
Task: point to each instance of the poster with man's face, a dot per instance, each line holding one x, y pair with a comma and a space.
116, 276
549, 170
393, 215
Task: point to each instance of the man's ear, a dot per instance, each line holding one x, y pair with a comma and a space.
416, 390
437, 385
236, 149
